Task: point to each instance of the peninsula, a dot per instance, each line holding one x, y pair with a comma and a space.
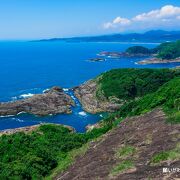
52, 101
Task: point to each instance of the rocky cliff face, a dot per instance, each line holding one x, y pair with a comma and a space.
128, 152
86, 93
53, 101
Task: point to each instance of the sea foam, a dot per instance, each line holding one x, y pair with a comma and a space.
82, 113
65, 89
26, 95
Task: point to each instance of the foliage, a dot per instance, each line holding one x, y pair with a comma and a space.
166, 155
138, 50
166, 97
33, 156
125, 151
169, 50
64, 163
123, 166
128, 84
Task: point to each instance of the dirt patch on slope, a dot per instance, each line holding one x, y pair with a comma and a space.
148, 135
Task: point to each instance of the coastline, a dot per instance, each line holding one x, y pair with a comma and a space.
158, 61
29, 129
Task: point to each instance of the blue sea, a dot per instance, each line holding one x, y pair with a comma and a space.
28, 68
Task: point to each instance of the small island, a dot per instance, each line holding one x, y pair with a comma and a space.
96, 59
135, 51
164, 53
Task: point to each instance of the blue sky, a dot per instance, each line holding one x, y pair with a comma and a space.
35, 19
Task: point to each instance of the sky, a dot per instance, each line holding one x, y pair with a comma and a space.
37, 19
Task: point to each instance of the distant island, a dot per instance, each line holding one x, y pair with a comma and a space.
164, 53
154, 36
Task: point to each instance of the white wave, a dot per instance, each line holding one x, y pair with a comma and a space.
101, 115
73, 97
26, 95
65, 89
7, 116
45, 90
22, 112
82, 113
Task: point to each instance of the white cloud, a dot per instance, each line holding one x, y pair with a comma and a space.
122, 21
116, 22
167, 11
167, 16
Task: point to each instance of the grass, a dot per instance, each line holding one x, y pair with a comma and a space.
174, 117
121, 167
67, 161
125, 151
166, 155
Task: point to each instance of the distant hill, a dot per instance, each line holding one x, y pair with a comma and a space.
156, 36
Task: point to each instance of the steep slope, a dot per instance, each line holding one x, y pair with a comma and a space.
114, 88
139, 148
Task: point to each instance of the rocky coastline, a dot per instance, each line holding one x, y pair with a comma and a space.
158, 61
29, 129
53, 101
121, 54
86, 93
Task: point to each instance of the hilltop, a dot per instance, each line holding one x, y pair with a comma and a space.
156, 36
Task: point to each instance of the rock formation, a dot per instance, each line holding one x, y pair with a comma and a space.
130, 147
86, 93
52, 101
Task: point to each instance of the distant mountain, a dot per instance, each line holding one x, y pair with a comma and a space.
158, 36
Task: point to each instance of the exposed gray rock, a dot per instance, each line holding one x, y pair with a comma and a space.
86, 93
53, 101
28, 129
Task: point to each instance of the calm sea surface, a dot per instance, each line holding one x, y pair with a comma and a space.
28, 68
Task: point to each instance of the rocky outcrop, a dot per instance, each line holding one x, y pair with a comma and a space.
86, 93
155, 60
129, 149
52, 101
121, 54
29, 129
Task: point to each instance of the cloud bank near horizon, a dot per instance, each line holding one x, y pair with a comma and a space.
166, 17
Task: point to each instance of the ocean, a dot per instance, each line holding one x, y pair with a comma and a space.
28, 68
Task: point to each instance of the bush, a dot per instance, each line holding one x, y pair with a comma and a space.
128, 84
138, 50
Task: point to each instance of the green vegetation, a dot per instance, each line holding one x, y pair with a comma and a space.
52, 148
138, 50
166, 97
169, 50
166, 155
121, 167
125, 151
67, 161
128, 84
33, 156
